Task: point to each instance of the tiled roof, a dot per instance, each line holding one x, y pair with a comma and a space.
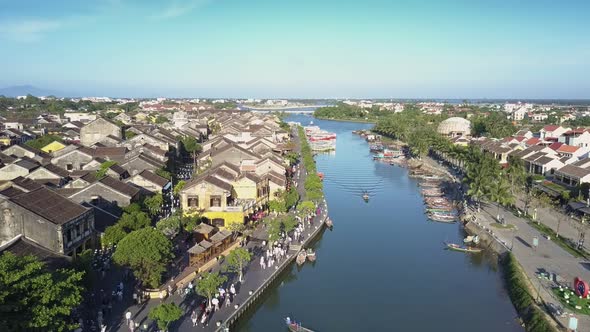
154, 178
119, 186
544, 160
57, 170
532, 141
574, 171
11, 192
26, 184
21, 246
218, 183
555, 146
50, 205
27, 164
567, 149
116, 152
550, 127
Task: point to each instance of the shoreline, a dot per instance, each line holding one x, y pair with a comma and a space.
344, 120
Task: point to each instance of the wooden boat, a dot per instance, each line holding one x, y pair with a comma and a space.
443, 220
293, 327
310, 255
301, 257
456, 247
329, 223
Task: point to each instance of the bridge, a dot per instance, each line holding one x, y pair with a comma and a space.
287, 109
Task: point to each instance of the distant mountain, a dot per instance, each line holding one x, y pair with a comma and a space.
23, 90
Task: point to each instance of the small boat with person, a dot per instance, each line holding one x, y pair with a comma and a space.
310, 255
296, 327
456, 247
329, 223
366, 196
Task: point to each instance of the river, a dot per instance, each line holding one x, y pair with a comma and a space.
383, 267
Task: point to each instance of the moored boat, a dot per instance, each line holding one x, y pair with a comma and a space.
456, 247
296, 327
301, 257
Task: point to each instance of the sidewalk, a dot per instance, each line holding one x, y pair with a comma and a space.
547, 257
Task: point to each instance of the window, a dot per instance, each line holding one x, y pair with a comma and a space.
219, 222
215, 201
193, 201
68, 236
69, 167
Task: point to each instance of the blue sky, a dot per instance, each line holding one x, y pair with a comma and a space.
299, 48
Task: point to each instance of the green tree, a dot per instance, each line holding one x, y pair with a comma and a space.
500, 193
32, 298
237, 260
306, 207
516, 174
161, 119
170, 225
208, 286
147, 252
191, 146
113, 235
178, 187
154, 203
164, 314
104, 167
277, 205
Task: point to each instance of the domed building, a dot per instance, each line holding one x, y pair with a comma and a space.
454, 127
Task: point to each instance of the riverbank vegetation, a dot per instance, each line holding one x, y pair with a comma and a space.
313, 184
347, 112
533, 317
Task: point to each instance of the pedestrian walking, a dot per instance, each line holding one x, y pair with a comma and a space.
204, 319
232, 290
194, 318
227, 300
128, 316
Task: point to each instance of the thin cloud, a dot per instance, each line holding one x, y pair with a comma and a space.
29, 30
179, 8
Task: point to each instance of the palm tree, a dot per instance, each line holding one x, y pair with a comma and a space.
516, 174
501, 194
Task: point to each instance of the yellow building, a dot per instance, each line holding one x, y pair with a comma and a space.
53, 146
224, 203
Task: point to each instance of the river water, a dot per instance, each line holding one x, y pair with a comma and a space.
383, 267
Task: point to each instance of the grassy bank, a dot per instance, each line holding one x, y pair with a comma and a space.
520, 292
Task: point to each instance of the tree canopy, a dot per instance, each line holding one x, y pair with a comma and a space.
237, 260
31, 297
147, 252
164, 314
154, 203
208, 286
